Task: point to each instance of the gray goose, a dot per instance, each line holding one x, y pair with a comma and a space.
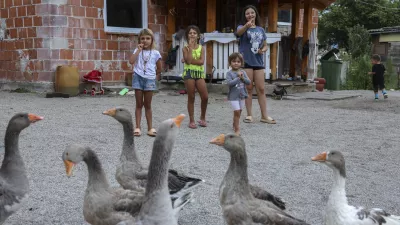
14, 183
131, 174
338, 211
238, 204
157, 208
102, 205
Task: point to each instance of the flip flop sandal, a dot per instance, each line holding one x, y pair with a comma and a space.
248, 119
202, 123
192, 125
137, 132
152, 132
269, 120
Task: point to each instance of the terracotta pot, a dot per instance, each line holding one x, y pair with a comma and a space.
320, 83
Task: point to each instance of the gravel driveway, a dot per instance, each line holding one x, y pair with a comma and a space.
279, 155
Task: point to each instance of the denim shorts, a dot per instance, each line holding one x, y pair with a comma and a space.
144, 84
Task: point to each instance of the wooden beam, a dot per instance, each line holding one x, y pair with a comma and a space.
307, 27
210, 27
294, 34
171, 21
273, 28
263, 5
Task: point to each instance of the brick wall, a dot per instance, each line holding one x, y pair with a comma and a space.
36, 37
314, 21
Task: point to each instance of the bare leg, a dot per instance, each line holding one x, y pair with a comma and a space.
148, 96
259, 82
202, 89
249, 88
190, 88
139, 106
236, 118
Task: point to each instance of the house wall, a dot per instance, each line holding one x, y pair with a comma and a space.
38, 36
389, 37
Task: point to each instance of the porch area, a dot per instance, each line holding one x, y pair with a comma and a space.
289, 24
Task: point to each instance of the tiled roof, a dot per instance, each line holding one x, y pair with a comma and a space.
385, 30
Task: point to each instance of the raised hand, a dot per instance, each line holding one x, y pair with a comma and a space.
140, 47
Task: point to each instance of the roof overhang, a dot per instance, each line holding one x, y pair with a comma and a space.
318, 4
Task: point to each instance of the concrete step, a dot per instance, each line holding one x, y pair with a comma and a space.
291, 88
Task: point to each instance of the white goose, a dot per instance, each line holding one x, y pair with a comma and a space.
338, 211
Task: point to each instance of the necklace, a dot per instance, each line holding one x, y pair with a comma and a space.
145, 60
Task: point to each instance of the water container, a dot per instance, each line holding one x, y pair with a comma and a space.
67, 80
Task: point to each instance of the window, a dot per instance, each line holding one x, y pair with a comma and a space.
125, 16
285, 16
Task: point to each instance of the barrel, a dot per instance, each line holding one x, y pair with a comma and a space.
67, 80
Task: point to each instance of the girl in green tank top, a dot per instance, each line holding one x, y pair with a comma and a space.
193, 74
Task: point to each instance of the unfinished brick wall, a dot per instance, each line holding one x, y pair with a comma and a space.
36, 37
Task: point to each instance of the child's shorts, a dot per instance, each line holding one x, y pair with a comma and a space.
238, 104
144, 84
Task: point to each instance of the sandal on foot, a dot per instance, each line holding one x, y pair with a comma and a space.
268, 120
248, 119
152, 132
202, 123
137, 132
192, 125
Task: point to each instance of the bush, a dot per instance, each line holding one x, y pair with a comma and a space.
391, 78
357, 75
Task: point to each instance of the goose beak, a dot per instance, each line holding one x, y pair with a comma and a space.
178, 120
220, 140
110, 112
69, 166
320, 157
34, 118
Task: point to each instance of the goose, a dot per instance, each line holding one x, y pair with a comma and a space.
14, 183
238, 204
103, 204
157, 208
130, 173
338, 211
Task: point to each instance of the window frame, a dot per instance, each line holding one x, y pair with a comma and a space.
126, 30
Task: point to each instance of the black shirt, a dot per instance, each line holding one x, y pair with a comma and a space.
379, 70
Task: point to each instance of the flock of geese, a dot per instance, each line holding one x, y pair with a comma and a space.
154, 195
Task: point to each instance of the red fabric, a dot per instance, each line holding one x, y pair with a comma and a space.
93, 76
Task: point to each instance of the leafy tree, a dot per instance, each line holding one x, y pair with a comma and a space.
343, 14
359, 41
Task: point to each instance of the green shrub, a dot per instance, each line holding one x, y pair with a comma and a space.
357, 76
391, 78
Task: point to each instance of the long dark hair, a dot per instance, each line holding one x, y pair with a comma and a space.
243, 21
195, 28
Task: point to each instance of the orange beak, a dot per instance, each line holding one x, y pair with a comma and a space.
178, 120
320, 157
220, 140
34, 118
110, 112
69, 166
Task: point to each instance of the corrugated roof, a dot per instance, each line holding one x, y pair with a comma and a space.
385, 30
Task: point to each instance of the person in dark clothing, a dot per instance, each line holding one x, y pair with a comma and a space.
378, 80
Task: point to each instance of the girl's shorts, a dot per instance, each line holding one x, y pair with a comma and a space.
238, 104
144, 84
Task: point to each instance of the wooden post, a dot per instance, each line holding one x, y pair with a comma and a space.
263, 5
171, 22
307, 27
210, 27
294, 34
273, 28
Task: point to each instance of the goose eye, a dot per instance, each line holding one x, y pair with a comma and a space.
67, 154
172, 125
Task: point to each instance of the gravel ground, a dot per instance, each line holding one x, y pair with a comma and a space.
279, 155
